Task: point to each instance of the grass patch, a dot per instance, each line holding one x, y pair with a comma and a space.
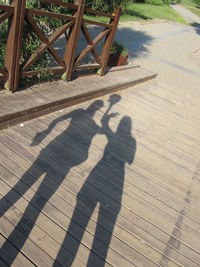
193, 7
137, 11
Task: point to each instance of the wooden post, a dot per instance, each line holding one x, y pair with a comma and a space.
14, 44
72, 43
109, 41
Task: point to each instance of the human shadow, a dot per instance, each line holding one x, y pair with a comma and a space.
104, 186
68, 149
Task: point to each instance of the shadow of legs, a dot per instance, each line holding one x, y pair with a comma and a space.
28, 220
104, 236
76, 228
19, 189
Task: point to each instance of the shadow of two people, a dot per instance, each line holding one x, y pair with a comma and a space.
104, 184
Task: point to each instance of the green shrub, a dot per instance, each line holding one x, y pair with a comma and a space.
118, 49
107, 5
154, 2
31, 42
166, 2
197, 2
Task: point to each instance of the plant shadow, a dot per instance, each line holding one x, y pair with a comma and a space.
196, 26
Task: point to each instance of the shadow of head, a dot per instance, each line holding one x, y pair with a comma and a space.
95, 106
125, 126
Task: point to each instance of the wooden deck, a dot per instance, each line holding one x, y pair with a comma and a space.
82, 187
47, 97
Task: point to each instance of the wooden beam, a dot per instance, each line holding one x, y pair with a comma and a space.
42, 13
5, 15
89, 48
89, 40
44, 46
45, 40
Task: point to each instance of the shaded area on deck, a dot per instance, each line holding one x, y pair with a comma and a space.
74, 188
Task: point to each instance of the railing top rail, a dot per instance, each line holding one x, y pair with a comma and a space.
43, 13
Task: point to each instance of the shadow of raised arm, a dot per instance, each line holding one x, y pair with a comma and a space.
105, 124
41, 135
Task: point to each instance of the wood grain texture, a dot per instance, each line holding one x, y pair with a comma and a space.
62, 182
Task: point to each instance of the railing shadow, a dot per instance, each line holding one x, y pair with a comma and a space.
133, 40
104, 185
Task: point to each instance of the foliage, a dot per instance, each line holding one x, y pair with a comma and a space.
3, 30
118, 49
107, 5
154, 2
197, 2
192, 5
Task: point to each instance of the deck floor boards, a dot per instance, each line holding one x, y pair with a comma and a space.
105, 185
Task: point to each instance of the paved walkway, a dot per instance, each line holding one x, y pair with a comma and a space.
170, 49
187, 14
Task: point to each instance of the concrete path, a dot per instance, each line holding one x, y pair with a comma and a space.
187, 14
170, 49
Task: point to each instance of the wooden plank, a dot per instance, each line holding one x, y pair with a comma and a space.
45, 40
57, 216
58, 32
14, 43
90, 47
87, 67
63, 207
39, 235
55, 71
5, 15
3, 263
69, 97
36, 255
89, 41
74, 178
7, 8
21, 260
118, 234
101, 24
42, 13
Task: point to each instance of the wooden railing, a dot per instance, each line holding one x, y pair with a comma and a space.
17, 13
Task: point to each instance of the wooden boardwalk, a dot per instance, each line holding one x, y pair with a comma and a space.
113, 182
47, 97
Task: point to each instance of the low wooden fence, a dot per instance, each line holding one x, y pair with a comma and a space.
17, 13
